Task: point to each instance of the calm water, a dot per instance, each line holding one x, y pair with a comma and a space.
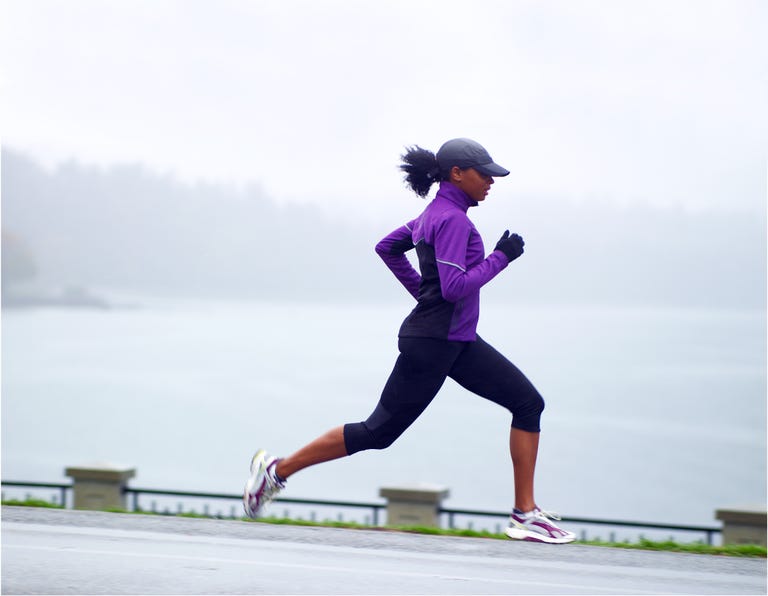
653, 415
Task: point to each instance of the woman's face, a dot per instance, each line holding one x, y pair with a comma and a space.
472, 182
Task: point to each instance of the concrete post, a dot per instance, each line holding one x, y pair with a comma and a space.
743, 525
414, 505
100, 486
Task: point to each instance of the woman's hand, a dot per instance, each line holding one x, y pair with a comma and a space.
510, 245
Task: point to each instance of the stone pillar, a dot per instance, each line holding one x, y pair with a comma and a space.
100, 486
743, 525
414, 505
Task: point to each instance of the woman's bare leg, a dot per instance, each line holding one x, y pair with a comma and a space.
524, 447
325, 448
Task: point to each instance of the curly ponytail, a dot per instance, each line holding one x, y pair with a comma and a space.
421, 169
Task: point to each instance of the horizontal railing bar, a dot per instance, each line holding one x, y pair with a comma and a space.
332, 503
629, 524
35, 484
181, 493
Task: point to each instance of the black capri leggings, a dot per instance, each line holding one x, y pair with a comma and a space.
420, 371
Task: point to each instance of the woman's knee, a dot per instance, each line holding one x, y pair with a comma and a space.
359, 437
528, 416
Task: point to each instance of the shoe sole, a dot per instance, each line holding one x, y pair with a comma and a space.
529, 536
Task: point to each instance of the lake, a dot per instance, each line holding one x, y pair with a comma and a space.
652, 415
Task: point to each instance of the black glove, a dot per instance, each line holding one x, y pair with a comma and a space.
512, 246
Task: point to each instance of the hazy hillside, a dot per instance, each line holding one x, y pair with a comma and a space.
125, 228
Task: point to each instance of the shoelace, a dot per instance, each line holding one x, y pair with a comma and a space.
548, 514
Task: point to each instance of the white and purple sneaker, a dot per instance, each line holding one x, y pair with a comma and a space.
537, 526
263, 485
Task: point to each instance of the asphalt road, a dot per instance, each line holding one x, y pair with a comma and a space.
79, 552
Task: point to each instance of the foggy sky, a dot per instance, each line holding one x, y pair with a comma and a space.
649, 102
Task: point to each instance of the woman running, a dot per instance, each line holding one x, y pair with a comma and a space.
438, 339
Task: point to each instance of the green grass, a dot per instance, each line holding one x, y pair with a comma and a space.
32, 503
736, 550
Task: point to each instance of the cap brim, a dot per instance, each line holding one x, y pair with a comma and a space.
491, 169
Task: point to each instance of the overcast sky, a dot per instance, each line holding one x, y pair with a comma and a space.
627, 101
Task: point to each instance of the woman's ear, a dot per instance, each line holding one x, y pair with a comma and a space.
456, 174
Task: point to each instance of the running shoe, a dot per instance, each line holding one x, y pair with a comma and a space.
263, 485
537, 526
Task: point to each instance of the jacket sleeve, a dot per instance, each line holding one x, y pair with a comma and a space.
392, 249
457, 280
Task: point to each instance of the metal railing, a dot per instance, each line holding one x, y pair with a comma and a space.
374, 508
63, 488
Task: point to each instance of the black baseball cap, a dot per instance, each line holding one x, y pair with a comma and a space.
467, 153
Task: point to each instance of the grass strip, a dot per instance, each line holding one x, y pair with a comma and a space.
32, 503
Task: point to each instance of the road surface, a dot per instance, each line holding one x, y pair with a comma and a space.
82, 552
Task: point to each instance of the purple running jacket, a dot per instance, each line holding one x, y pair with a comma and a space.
452, 263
